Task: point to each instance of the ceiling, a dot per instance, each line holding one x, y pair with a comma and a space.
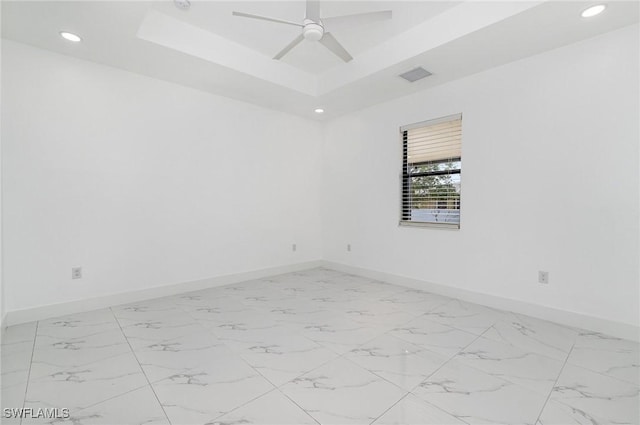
207, 48
268, 38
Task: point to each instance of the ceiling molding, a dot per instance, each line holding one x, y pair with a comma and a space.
175, 34
208, 49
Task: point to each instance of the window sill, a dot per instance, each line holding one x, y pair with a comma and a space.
445, 226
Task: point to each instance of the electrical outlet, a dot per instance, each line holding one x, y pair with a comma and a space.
349, 247
76, 273
543, 277
294, 247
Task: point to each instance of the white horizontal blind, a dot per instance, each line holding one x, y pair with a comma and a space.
431, 169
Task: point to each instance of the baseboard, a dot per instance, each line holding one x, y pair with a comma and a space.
54, 310
569, 318
3, 325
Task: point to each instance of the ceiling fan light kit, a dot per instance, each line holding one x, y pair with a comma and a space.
315, 29
312, 31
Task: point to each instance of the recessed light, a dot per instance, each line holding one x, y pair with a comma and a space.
318, 110
593, 11
70, 36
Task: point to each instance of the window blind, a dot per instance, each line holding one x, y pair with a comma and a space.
431, 170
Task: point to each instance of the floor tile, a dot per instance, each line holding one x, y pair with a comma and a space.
78, 325
245, 327
342, 393
12, 396
606, 399
15, 363
137, 407
476, 397
83, 386
467, 317
379, 312
534, 335
341, 334
317, 346
413, 411
147, 310
272, 408
61, 353
210, 390
530, 370
415, 301
397, 361
433, 336
555, 413
160, 359
216, 314
297, 317
17, 334
282, 356
141, 330
611, 356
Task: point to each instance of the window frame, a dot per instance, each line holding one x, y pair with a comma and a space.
404, 176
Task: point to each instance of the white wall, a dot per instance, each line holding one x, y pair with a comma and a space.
144, 183
2, 309
550, 182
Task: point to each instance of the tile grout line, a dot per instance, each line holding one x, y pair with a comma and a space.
140, 366
443, 365
26, 388
211, 332
343, 356
477, 337
389, 408
300, 407
500, 377
106, 358
339, 356
245, 403
606, 375
111, 398
566, 360
275, 387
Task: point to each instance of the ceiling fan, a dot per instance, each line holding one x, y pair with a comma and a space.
316, 29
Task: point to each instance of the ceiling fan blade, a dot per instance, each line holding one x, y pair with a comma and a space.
313, 10
264, 18
330, 42
348, 21
290, 46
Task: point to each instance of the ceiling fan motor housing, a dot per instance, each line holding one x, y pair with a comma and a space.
312, 30
313, 27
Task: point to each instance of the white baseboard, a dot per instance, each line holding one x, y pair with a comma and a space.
3, 325
569, 318
54, 310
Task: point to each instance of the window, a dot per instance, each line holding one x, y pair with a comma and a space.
431, 167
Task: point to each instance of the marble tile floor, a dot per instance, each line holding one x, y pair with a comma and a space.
317, 347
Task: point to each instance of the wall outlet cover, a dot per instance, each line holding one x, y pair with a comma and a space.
76, 273
543, 277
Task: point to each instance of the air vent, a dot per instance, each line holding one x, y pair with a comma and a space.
415, 74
